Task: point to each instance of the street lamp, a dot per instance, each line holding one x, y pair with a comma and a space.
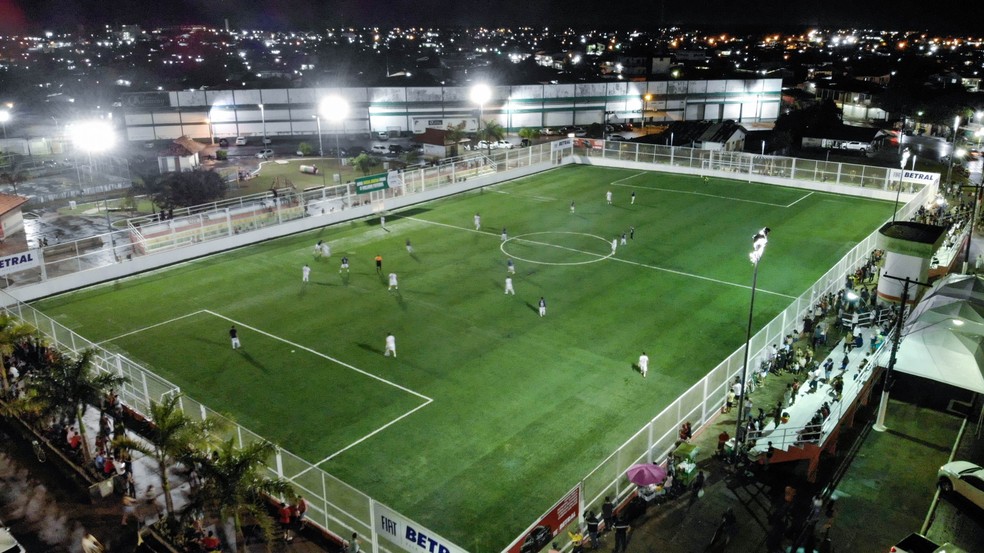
321, 146
759, 240
480, 94
334, 109
211, 137
905, 158
263, 119
4, 117
646, 99
949, 170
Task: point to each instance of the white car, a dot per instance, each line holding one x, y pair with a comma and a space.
379, 149
503, 145
240, 141
265, 154
966, 479
8, 544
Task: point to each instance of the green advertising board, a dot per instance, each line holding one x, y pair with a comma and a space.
372, 183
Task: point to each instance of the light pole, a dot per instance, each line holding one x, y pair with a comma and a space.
211, 137
321, 145
335, 109
905, 158
263, 119
759, 240
4, 117
953, 148
480, 94
645, 102
901, 135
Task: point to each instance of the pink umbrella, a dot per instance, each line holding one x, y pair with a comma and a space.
646, 474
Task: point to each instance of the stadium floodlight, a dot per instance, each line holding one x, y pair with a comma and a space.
759, 240
480, 94
902, 162
334, 108
4, 117
92, 136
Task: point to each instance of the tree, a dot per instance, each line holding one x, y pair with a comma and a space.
305, 149
184, 189
491, 131
173, 436
69, 385
233, 484
452, 136
11, 332
529, 133
364, 162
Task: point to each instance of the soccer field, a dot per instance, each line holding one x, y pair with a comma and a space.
489, 413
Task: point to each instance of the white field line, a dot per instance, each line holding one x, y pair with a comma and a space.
427, 400
800, 200
536, 198
654, 267
629, 177
322, 355
139, 330
695, 193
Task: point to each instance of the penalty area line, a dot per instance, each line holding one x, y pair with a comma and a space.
695, 193
139, 330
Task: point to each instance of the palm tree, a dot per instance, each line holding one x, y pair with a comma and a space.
452, 136
71, 384
173, 436
11, 332
529, 133
233, 484
491, 132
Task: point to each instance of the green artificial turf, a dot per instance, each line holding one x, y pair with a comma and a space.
520, 407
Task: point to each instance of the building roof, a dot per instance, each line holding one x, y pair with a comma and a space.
434, 137
10, 202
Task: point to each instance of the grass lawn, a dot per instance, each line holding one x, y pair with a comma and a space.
502, 411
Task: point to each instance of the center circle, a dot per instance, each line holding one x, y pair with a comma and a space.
527, 239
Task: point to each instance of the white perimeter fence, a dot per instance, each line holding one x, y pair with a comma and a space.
334, 505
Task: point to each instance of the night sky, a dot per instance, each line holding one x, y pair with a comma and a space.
961, 16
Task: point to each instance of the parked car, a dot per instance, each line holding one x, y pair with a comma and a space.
547, 131
485, 145
8, 543
396, 149
379, 149
383, 135
855, 146
267, 141
265, 153
223, 143
525, 143
616, 137
918, 543
964, 478
240, 141
503, 145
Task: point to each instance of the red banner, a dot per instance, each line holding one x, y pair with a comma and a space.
566, 511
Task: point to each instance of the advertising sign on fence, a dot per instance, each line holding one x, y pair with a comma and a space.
19, 262
562, 144
372, 183
566, 511
921, 177
407, 534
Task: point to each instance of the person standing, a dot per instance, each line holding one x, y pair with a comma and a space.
382, 222
509, 286
698, 487
317, 248
614, 245
129, 506
409, 247
478, 221
283, 516
390, 345
608, 513
621, 535
608, 197
354, 545
623, 242
510, 267
234, 336
379, 264
504, 235
633, 198
644, 364
543, 306
345, 265
592, 528
631, 233
305, 273
392, 282
572, 207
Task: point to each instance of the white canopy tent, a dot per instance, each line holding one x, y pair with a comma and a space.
943, 339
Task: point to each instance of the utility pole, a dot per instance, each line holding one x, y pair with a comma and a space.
879, 425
